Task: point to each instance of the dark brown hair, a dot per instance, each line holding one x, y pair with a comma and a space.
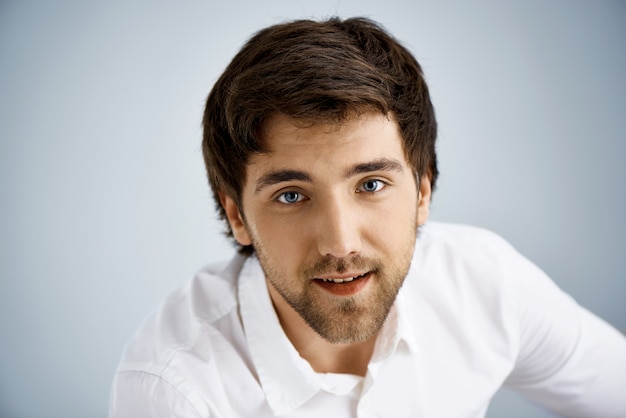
313, 72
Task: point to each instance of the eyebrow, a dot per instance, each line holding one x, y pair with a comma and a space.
280, 176
382, 164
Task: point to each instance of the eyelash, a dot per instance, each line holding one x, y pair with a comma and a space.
301, 197
381, 183
281, 197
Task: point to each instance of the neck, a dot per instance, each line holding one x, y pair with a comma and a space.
324, 357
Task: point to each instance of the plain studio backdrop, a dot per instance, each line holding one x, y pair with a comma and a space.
104, 204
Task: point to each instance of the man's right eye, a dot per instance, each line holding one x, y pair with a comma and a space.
290, 198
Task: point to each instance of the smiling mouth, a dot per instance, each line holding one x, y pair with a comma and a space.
344, 280
344, 286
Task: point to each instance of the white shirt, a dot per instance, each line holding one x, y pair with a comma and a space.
472, 315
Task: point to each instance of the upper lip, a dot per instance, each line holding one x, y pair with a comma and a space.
341, 276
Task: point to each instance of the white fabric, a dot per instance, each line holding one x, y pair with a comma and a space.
473, 315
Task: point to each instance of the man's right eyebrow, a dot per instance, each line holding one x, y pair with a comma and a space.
280, 176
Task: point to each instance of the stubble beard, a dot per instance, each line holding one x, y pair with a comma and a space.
346, 319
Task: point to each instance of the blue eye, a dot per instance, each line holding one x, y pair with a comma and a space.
371, 186
290, 198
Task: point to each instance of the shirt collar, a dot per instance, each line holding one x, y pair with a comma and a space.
288, 380
405, 313
395, 331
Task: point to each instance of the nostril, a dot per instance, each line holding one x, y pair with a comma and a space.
339, 245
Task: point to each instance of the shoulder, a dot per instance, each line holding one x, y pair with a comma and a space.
466, 272
461, 296
463, 251
186, 324
171, 356
142, 394
460, 237
473, 282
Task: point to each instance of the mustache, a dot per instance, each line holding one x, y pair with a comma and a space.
330, 264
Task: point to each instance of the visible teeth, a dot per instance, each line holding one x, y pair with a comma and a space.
342, 280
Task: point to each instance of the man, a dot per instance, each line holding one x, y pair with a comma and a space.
319, 142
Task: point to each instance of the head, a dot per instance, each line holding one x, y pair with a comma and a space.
319, 142
325, 72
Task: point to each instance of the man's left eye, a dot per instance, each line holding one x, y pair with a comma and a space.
371, 186
290, 197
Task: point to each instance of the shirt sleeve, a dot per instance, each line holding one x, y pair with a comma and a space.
137, 394
569, 360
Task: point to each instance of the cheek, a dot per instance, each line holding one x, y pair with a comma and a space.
278, 235
395, 227
404, 221
401, 212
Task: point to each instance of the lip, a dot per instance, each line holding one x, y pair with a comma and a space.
346, 288
343, 276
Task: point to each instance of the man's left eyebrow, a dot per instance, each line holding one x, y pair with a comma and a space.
382, 164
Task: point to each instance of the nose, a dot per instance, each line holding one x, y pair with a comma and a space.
338, 229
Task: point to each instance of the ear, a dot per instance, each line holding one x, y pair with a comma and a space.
237, 225
423, 204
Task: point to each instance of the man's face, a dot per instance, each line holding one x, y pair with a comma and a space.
332, 212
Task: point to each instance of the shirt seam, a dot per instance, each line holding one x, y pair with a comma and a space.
161, 378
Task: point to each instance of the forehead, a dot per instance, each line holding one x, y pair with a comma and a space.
369, 130
322, 150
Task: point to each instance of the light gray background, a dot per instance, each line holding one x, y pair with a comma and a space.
104, 206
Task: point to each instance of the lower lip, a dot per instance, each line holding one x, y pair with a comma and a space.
346, 288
